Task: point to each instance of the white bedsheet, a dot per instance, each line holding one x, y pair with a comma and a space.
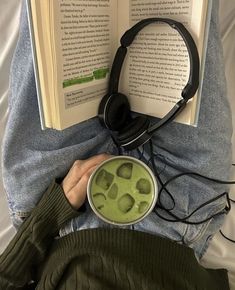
221, 253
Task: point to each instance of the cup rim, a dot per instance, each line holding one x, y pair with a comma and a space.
155, 190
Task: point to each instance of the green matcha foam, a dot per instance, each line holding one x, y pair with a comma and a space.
122, 190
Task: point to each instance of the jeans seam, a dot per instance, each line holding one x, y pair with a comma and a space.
205, 226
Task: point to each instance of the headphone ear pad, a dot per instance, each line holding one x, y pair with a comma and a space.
134, 129
116, 111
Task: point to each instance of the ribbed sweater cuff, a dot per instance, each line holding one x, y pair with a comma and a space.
54, 208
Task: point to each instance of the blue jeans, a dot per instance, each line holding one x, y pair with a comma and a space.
32, 157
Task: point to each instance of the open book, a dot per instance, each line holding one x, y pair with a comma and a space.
74, 43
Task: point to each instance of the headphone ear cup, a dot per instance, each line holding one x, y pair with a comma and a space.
134, 129
101, 109
114, 111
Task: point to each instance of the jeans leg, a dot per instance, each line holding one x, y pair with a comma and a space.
32, 158
205, 149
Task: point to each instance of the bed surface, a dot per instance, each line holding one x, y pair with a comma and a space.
221, 252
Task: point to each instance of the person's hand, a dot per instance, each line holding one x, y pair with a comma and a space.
75, 182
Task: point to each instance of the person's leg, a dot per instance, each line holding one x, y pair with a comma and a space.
32, 157
205, 149
30, 163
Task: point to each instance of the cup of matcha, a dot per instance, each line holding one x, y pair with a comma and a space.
122, 190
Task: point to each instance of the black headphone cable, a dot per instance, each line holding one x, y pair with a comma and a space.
163, 187
222, 234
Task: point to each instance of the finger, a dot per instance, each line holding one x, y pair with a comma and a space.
91, 162
77, 194
79, 168
72, 177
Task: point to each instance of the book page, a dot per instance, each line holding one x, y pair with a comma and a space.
157, 66
86, 38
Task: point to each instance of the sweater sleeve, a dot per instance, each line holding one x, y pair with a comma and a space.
28, 248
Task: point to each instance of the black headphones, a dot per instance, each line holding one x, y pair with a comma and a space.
114, 109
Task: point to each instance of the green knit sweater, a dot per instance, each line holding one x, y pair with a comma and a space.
97, 259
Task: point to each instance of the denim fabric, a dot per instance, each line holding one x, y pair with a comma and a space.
32, 158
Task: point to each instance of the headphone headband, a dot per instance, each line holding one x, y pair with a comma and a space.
192, 85
114, 109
